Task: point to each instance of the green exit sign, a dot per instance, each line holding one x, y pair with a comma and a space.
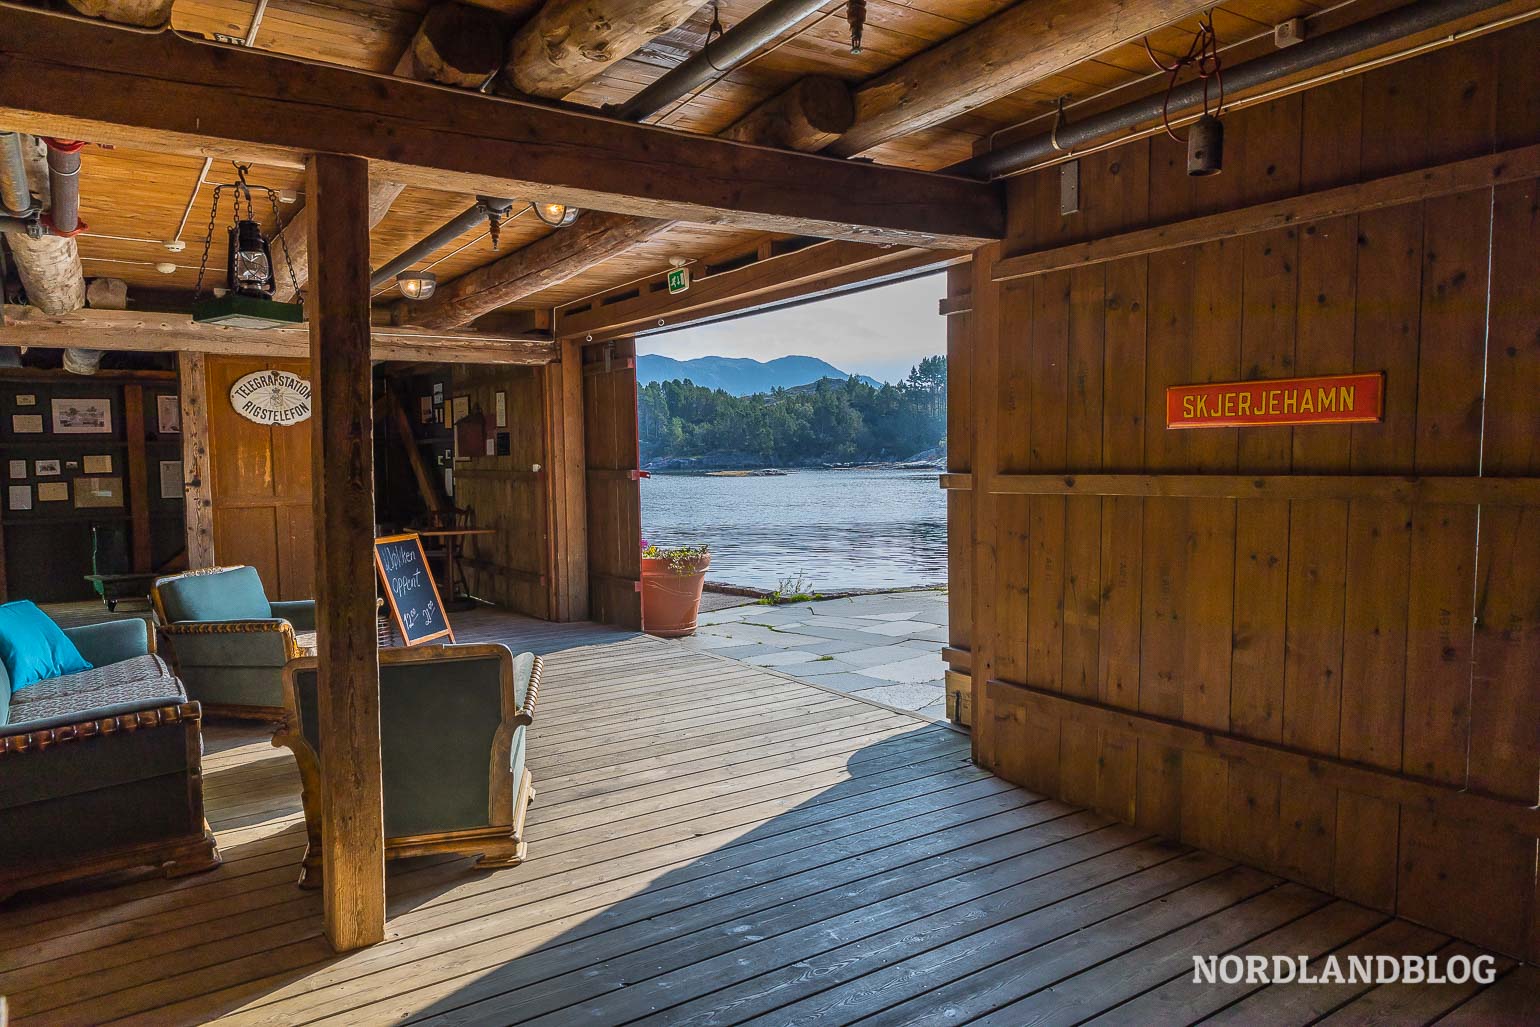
679, 279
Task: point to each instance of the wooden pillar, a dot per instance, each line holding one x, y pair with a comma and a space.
138, 476
566, 474
352, 815
192, 387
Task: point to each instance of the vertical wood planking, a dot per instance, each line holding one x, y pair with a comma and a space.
985, 328
352, 813
960, 415
192, 388
566, 493
138, 477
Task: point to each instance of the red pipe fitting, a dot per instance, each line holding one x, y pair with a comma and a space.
53, 229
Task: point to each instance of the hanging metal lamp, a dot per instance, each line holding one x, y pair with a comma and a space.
250, 280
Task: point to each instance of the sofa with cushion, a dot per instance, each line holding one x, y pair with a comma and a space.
100, 755
228, 642
453, 720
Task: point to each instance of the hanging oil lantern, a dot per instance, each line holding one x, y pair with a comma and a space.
250, 279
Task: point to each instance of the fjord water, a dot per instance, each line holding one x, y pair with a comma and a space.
840, 529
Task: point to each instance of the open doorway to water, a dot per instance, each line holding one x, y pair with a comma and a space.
802, 445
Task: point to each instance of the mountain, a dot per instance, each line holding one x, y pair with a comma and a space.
739, 376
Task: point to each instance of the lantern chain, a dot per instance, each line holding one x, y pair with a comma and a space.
239, 189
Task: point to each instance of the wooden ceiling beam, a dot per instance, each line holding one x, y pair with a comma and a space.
771, 279
551, 260
166, 93
1019, 46
138, 332
568, 42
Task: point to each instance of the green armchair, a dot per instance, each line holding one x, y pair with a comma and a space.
453, 720
228, 642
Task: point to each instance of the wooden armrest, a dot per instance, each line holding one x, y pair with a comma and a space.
526, 714
43, 738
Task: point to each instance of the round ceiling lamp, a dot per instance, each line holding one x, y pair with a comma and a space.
557, 215
417, 285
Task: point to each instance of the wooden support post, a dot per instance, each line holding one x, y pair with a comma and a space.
192, 386
138, 478
352, 813
568, 486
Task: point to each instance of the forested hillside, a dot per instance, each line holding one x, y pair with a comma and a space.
829, 421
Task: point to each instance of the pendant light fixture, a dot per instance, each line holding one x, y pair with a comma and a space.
1206, 138
247, 300
557, 215
417, 285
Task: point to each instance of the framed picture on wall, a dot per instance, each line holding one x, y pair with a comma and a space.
27, 400
502, 409
168, 415
98, 492
27, 424
88, 416
44, 467
171, 479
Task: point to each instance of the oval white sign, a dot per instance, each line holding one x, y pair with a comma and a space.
271, 397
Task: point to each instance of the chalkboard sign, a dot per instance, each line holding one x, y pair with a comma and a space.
410, 589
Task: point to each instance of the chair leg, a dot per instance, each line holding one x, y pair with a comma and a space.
198, 857
511, 856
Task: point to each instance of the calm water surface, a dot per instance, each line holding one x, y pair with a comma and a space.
840, 529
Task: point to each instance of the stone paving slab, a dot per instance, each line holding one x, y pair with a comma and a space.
885, 648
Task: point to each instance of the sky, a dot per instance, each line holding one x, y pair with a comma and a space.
881, 332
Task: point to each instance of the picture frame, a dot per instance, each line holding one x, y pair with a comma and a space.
27, 424
53, 491
171, 479
20, 497
168, 414
98, 463
86, 415
501, 403
17, 468
26, 400
91, 493
44, 468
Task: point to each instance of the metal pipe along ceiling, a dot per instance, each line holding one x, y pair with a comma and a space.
442, 236
717, 57
1365, 35
15, 197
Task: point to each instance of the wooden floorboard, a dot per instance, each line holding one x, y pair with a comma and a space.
714, 843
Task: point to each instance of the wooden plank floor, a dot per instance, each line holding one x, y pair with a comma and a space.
714, 843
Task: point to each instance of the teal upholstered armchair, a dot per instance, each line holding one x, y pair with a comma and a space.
453, 720
227, 642
101, 770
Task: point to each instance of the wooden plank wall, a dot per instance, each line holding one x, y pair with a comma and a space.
260, 484
612, 483
507, 493
1400, 638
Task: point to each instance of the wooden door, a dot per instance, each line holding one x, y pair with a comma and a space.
260, 491
613, 483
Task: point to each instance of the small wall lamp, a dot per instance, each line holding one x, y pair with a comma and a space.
557, 215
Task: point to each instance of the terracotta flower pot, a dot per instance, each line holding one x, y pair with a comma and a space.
670, 601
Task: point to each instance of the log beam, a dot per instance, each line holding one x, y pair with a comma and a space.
136, 332
1019, 46
551, 260
456, 45
80, 80
348, 692
569, 42
814, 112
50, 272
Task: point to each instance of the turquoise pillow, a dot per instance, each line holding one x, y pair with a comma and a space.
33, 647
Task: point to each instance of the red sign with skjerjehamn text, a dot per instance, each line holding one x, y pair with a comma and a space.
1329, 399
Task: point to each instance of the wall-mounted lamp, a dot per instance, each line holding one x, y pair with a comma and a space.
557, 215
417, 285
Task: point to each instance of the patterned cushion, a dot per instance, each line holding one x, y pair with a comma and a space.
134, 680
